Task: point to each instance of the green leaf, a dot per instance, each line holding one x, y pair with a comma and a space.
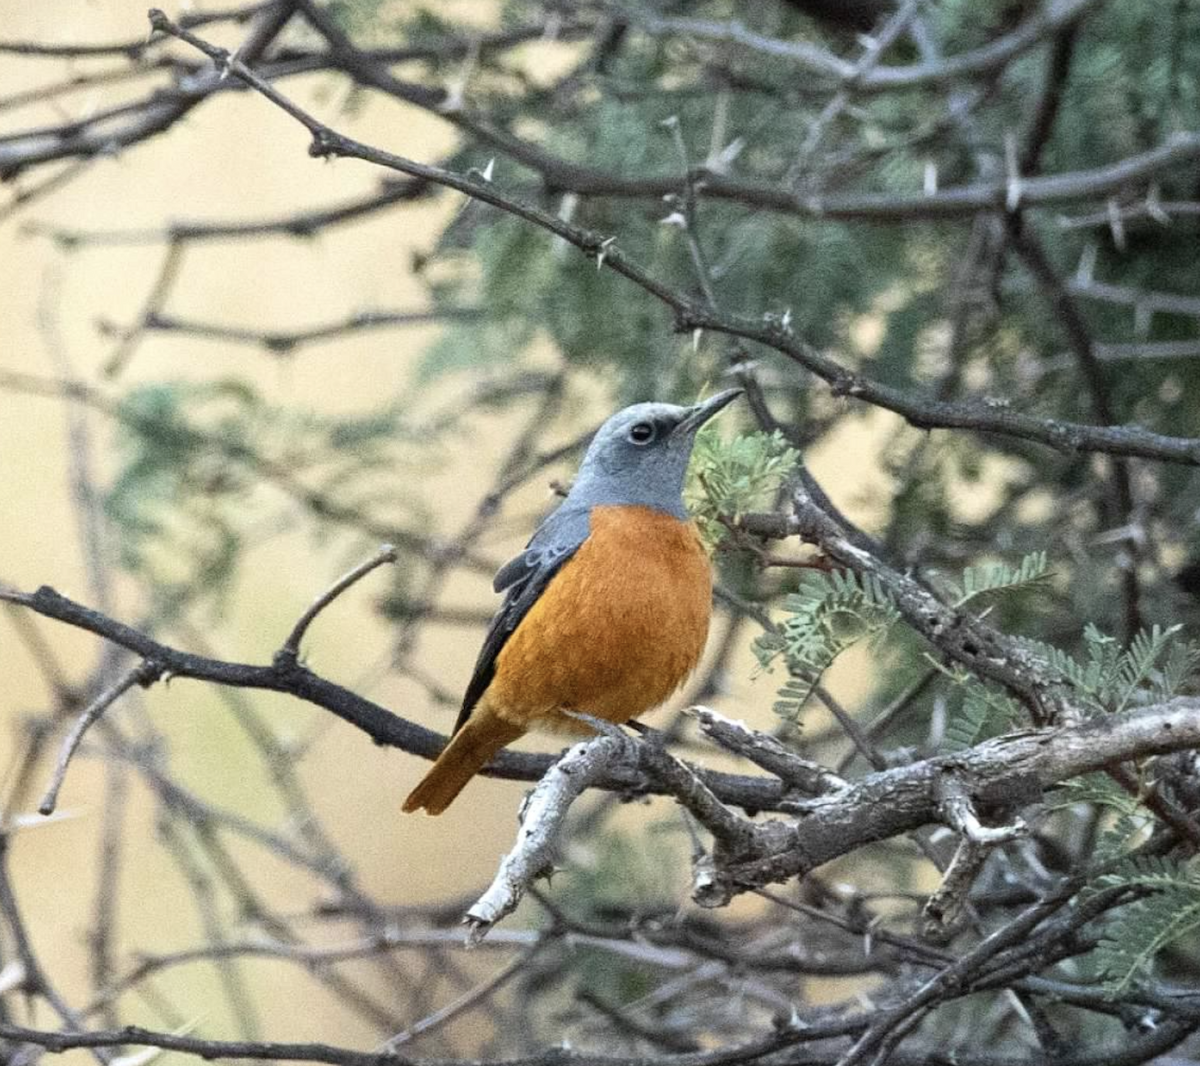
1112, 676
728, 478
828, 614
1136, 664
1000, 577
1142, 929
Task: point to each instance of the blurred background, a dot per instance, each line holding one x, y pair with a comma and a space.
229, 372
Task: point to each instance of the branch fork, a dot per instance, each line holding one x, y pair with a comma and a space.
976, 843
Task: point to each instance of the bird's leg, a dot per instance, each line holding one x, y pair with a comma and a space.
648, 733
598, 725
605, 728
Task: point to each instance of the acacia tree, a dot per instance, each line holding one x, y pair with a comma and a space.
718, 192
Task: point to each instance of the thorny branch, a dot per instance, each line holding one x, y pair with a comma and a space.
981, 416
1012, 770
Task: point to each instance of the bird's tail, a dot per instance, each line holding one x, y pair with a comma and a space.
472, 746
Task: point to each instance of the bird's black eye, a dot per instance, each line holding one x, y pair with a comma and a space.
642, 432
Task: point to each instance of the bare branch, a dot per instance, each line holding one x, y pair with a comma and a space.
981, 62
285, 342
942, 908
1008, 771
160, 112
959, 811
142, 675
767, 753
291, 647
168, 274
303, 224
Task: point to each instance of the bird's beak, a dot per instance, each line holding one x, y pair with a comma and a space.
702, 412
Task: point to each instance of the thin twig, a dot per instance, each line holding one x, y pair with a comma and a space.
143, 675
469, 999
291, 647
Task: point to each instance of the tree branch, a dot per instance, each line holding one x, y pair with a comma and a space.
291, 646
542, 818
926, 413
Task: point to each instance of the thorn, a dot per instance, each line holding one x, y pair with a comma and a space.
1142, 313
1154, 205
727, 155
486, 172
931, 178
234, 57
605, 244
567, 206
1116, 223
675, 218
671, 122
1012, 199
1087, 263
12, 977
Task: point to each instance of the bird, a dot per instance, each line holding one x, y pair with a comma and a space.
605, 612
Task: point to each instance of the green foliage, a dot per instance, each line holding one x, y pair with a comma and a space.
729, 478
1125, 820
1139, 931
826, 615
1095, 788
981, 713
1000, 577
1111, 677
1178, 667
187, 498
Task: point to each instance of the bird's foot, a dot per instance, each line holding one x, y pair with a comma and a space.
601, 726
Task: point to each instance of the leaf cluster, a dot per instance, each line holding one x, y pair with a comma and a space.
978, 581
1166, 912
1109, 678
729, 478
826, 615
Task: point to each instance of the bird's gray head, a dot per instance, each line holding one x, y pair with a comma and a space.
640, 456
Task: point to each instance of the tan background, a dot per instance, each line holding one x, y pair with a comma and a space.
237, 157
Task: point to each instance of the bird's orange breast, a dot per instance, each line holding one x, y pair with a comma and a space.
618, 629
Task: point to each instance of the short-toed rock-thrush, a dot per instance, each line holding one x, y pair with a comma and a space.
606, 610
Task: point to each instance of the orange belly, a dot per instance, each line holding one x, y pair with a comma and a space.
616, 632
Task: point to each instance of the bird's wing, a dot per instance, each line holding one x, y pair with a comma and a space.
523, 580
